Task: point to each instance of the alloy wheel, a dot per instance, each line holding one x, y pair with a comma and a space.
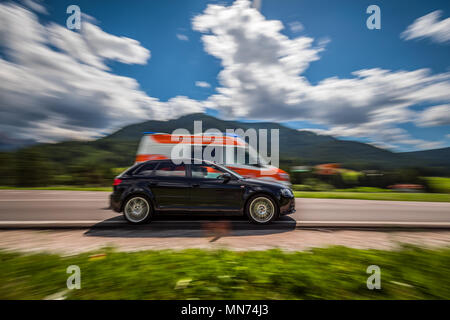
137, 209
262, 209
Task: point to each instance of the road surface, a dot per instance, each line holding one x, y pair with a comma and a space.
46, 208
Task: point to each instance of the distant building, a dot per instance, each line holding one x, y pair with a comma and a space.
406, 187
328, 168
372, 173
300, 169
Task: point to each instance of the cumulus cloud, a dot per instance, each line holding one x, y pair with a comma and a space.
202, 84
55, 82
182, 37
322, 132
383, 135
108, 46
261, 66
429, 26
296, 26
435, 116
262, 79
257, 4
35, 5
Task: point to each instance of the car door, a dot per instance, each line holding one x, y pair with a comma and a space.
211, 193
170, 186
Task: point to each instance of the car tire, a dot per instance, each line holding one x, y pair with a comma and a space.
138, 210
261, 209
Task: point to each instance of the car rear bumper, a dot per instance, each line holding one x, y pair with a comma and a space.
114, 203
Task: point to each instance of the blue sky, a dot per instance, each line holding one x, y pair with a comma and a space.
179, 60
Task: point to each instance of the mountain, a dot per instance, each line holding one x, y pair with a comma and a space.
296, 147
435, 157
11, 144
301, 146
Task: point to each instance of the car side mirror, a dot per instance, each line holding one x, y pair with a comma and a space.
226, 177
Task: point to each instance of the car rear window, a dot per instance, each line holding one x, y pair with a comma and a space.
146, 169
169, 169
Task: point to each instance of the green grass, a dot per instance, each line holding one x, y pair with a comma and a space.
392, 196
439, 184
67, 188
331, 273
369, 194
363, 189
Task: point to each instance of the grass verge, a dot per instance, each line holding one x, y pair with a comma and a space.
64, 188
439, 184
331, 273
392, 196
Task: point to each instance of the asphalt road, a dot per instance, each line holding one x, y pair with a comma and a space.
36, 208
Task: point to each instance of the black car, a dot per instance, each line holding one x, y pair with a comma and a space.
194, 186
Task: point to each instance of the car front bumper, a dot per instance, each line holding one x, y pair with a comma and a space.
287, 206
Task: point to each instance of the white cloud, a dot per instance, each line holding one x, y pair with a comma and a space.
262, 79
73, 43
202, 84
429, 26
435, 116
296, 26
108, 46
257, 4
383, 136
323, 132
182, 37
261, 65
35, 5
68, 93
55, 83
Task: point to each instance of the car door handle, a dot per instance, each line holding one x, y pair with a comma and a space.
195, 185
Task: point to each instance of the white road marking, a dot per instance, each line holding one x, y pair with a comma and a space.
64, 222
297, 223
33, 200
370, 223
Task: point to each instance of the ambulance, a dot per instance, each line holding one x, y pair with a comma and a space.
237, 155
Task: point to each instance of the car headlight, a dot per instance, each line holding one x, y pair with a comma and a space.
287, 193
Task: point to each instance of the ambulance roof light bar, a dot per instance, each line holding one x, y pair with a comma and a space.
204, 134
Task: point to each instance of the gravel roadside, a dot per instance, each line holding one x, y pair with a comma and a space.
82, 240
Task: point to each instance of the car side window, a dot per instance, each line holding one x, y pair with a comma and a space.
170, 169
146, 169
205, 172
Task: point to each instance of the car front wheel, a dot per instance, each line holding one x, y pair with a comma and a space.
261, 210
137, 210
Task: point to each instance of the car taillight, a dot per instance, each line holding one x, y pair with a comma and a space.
117, 182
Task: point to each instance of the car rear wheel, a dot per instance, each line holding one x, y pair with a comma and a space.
261, 209
137, 210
